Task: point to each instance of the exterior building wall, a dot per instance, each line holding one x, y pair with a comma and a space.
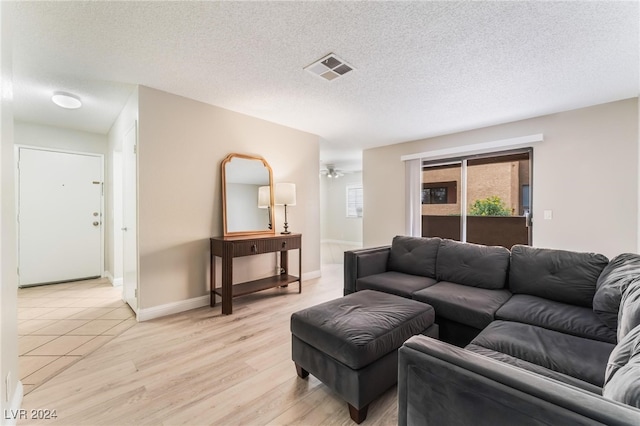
503, 179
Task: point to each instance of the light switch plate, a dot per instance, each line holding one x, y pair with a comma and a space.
548, 214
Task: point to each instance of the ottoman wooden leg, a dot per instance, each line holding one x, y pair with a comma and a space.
302, 373
358, 415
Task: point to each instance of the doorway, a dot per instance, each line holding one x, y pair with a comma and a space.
482, 199
60, 216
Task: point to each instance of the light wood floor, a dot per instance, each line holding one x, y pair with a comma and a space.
202, 368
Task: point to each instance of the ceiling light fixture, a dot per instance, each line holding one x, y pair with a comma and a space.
66, 100
331, 172
329, 68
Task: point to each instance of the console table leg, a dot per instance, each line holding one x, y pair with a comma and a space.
284, 262
212, 280
227, 282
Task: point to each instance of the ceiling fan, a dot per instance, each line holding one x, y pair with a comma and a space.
331, 172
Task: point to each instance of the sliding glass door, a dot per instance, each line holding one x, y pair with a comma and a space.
481, 199
442, 200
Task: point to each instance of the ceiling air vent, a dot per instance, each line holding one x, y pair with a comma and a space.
329, 68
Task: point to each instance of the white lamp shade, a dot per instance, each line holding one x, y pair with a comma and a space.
264, 197
286, 194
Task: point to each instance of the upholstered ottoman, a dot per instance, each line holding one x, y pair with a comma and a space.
351, 344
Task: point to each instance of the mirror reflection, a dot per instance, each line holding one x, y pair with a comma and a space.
247, 195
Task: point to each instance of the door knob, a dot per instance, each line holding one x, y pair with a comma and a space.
96, 223
123, 229
95, 214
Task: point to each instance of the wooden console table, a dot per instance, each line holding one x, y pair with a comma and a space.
228, 248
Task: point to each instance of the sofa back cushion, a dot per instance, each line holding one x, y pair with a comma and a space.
629, 315
472, 264
611, 284
563, 276
414, 255
622, 376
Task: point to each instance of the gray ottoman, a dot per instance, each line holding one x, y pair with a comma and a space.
351, 344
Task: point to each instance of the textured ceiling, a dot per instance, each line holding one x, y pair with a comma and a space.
421, 68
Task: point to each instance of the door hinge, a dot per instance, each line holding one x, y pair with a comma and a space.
135, 149
135, 293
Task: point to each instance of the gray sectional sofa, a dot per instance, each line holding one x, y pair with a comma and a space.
527, 335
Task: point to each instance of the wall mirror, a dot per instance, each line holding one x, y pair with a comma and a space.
247, 195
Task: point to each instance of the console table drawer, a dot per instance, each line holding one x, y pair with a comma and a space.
287, 243
251, 247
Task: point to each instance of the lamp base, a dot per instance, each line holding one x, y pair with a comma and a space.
286, 232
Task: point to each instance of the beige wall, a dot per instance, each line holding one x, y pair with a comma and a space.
336, 226
8, 262
180, 147
585, 171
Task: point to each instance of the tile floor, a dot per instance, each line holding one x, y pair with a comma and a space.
58, 324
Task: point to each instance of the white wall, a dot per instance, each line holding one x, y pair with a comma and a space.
180, 147
113, 203
57, 138
336, 226
9, 398
585, 171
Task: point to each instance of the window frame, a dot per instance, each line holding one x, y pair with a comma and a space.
348, 201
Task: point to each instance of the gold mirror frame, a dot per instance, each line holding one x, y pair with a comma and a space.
225, 214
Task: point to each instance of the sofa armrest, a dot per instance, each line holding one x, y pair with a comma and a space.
363, 262
442, 384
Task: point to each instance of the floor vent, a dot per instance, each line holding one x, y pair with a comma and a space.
329, 68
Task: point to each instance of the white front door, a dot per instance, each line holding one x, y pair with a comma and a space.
130, 219
59, 216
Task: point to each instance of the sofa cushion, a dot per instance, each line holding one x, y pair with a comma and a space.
394, 283
529, 366
576, 320
472, 264
414, 255
467, 305
622, 353
629, 315
622, 378
612, 282
563, 276
361, 327
584, 359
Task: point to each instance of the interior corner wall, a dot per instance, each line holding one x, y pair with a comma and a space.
113, 203
180, 147
10, 389
585, 171
336, 226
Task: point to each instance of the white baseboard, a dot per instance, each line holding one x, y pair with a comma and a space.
147, 314
311, 275
186, 305
116, 282
347, 243
12, 415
